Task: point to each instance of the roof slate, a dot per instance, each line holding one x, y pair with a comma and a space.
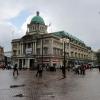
64, 34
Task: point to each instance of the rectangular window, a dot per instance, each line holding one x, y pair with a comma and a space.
38, 51
45, 41
45, 51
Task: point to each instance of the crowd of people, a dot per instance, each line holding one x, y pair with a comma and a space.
80, 69
77, 69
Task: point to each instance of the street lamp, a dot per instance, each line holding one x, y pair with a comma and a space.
64, 41
42, 51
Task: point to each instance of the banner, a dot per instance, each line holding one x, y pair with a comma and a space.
28, 50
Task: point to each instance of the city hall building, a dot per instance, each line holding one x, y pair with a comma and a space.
38, 46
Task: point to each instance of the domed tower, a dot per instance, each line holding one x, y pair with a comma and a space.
37, 25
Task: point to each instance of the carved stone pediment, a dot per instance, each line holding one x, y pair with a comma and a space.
27, 38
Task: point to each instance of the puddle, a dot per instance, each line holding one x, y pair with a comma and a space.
15, 86
19, 95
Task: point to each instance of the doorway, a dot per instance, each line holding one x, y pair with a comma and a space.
20, 63
32, 64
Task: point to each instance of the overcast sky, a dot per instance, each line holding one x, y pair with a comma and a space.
80, 18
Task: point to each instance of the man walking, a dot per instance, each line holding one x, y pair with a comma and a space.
15, 69
63, 72
39, 70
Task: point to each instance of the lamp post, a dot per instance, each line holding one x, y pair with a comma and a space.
64, 41
42, 51
64, 60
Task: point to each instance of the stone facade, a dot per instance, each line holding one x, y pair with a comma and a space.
38, 46
2, 62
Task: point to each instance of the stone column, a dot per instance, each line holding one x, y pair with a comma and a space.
22, 63
28, 63
69, 50
51, 47
18, 63
35, 48
20, 49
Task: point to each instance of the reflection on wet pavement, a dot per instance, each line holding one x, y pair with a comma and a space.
50, 87
15, 86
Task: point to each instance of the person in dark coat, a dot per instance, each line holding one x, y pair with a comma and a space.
15, 69
99, 67
63, 72
39, 70
82, 69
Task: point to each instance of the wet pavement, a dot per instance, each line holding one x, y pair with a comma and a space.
50, 87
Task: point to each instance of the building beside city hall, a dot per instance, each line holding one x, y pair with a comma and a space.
2, 58
38, 46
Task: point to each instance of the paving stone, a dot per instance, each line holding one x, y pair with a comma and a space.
50, 87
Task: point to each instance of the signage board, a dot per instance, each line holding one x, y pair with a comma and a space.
28, 51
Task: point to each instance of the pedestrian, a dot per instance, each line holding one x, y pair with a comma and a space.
82, 69
15, 70
68, 68
39, 70
63, 72
99, 67
77, 69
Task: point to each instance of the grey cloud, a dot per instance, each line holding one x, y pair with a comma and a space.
78, 17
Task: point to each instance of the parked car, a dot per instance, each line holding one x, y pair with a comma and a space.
96, 66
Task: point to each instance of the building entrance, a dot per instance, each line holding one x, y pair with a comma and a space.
20, 63
32, 64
